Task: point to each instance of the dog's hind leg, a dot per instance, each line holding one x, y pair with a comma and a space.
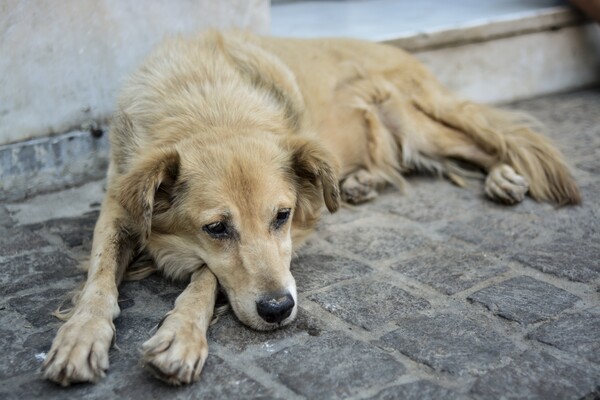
432, 127
79, 352
401, 137
506, 137
502, 183
438, 144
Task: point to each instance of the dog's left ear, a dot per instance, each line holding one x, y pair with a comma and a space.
316, 171
144, 190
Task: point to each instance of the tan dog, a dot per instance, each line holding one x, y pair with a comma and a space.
224, 149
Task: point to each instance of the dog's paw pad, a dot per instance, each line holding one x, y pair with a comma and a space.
503, 184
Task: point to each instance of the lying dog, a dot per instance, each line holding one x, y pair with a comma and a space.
225, 148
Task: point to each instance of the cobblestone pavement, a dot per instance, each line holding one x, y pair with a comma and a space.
434, 294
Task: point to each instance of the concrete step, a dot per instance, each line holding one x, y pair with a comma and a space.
491, 51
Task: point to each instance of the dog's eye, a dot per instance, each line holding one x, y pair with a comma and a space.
281, 218
217, 230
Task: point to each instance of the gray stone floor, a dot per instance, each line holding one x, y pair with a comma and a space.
434, 294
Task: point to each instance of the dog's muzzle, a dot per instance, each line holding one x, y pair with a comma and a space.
275, 307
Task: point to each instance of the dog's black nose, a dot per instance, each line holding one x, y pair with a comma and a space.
275, 307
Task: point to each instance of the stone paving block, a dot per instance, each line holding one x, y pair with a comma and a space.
15, 359
141, 311
590, 165
449, 343
420, 390
219, 380
37, 308
575, 333
504, 232
39, 341
127, 379
155, 284
6, 220
567, 119
315, 271
125, 301
535, 375
8, 338
376, 243
20, 240
524, 299
37, 388
74, 231
332, 366
346, 214
591, 193
22, 347
369, 304
151, 297
419, 205
430, 200
231, 333
574, 225
134, 329
574, 259
595, 395
16, 363
36, 269
451, 270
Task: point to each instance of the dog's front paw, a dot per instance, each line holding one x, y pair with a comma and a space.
79, 352
177, 352
503, 184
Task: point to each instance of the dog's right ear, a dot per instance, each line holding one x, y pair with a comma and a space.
138, 188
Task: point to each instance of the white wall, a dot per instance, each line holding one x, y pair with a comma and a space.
62, 62
521, 66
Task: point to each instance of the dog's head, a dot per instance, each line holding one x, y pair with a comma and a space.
238, 205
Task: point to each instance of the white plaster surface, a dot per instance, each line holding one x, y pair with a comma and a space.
62, 62
519, 67
52, 205
391, 19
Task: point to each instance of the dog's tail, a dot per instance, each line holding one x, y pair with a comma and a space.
510, 138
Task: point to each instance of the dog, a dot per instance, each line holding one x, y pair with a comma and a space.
224, 149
